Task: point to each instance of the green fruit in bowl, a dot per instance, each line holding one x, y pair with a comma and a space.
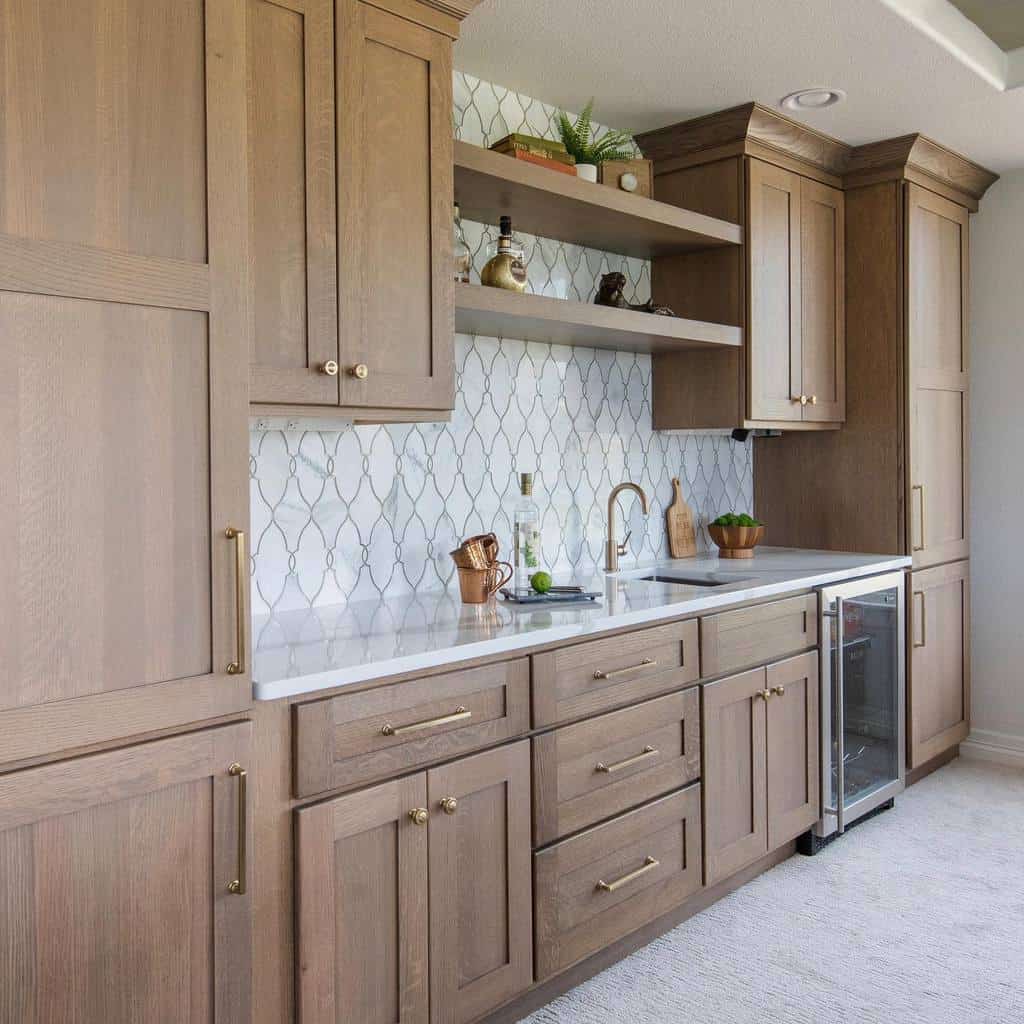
541, 582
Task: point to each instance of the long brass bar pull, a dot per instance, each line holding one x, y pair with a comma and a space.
919, 547
645, 754
237, 887
237, 667
460, 714
650, 863
615, 673
924, 621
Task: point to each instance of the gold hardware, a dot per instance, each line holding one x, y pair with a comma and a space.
650, 863
802, 399
237, 667
360, 371
449, 805
237, 887
779, 691
814, 399
611, 560
419, 815
921, 546
763, 694
330, 368
924, 620
646, 753
646, 663
458, 715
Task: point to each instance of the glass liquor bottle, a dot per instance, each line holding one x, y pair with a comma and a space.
526, 530
461, 251
505, 269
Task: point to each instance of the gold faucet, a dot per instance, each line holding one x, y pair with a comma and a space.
613, 549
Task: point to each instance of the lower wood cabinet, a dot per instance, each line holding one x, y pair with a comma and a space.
761, 762
939, 688
415, 897
123, 888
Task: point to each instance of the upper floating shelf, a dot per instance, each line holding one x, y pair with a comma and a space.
560, 206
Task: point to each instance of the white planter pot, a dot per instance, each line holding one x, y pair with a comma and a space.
588, 172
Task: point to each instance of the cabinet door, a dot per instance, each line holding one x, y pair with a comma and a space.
395, 279
114, 886
937, 267
361, 890
294, 233
940, 663
774, 325
735, 793
822, 303
123, 313
481, 892
794, 764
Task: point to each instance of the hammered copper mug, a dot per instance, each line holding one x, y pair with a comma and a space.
479, 585
479, 552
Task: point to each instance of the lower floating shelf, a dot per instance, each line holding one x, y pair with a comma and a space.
496, 313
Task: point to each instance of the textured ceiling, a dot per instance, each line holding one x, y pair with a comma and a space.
1001, 20
653, 63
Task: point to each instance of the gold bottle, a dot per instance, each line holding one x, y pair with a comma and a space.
505, 269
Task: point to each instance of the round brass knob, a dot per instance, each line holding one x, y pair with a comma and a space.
330, 368
449, 805
803, 399
419, 815
763, 694
360, 371
779, 691
814, 399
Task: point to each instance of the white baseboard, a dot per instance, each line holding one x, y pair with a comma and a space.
999, 747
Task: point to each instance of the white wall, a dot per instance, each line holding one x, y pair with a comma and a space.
997, 470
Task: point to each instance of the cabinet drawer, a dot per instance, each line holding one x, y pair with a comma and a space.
610, 880
752, 636
356, 737
594, 770
581, 680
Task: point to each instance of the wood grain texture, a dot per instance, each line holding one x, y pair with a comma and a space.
575, 918
939, 682
573, 791
564, 682
481, 890
759, 633
339, 742
682, 540
117, 867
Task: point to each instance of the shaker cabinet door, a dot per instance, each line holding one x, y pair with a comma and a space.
116, 879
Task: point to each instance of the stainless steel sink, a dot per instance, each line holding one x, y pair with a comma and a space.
689, 581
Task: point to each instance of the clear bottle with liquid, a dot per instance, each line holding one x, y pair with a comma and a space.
526, 535
460, 248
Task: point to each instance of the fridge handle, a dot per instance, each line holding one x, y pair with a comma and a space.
839, 725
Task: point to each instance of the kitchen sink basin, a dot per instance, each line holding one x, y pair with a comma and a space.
688, 581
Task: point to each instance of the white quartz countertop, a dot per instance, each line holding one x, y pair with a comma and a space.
298, 652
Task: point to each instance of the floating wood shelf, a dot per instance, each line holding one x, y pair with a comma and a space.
496, 313
543, 202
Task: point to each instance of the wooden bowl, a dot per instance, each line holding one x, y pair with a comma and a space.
736, 541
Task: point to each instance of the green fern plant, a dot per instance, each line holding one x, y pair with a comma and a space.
579, 139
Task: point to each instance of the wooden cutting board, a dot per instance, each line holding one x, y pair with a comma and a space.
682, 540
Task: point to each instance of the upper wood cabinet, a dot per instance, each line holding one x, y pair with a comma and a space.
123, 285
351, 160
116, 873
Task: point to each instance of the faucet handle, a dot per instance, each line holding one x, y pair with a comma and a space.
624, 546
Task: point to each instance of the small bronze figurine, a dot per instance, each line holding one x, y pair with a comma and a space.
610, 294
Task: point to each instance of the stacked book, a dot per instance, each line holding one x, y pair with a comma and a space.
534, 150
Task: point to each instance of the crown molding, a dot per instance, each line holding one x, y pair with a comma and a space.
455, 8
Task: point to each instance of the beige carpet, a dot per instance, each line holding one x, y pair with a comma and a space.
914, 917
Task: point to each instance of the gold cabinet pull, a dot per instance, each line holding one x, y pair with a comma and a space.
460, 714
615, 673
360, 371
237, 667
762, 694
779, 691
802, 399
924, 620
650, 863
647, 753
813, 399
330, 368
419, 815
237, 887
921, 546
449, 805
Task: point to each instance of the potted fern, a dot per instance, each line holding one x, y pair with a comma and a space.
580, 139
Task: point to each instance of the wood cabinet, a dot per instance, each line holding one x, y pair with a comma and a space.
114, 882
352, 157
938, 688
761, 762
123, 308
455, 840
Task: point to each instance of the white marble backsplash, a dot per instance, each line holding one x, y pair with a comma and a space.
366, 512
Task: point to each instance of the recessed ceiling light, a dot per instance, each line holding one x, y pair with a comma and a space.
812, 99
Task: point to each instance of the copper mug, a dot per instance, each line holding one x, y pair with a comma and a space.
479, 585
479, 552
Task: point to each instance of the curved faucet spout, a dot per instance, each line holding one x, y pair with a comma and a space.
613, 549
